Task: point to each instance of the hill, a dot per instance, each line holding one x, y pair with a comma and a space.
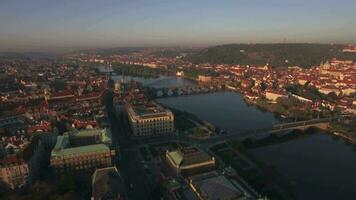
303, 55
111, 51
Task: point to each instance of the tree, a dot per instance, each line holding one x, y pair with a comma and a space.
263, 86
66, 183
303, 55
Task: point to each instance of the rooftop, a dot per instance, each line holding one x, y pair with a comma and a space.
189, 156
64, 148
103, 133
148, 110
107, 184
215, 186
79, 150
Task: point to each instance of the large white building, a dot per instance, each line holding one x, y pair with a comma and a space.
150, 119
204, 79
274, 95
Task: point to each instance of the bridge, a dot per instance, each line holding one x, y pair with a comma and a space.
256, 133
186, 90
216, 139
301, 125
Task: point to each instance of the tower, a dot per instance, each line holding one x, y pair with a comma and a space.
117, 87
46, 93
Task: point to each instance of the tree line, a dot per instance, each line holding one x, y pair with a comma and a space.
276, 55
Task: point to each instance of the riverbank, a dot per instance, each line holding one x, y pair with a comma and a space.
348, 137
345, 130
189, 124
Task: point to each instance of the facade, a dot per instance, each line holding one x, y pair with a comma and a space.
180, 73
329, 89
273, 95
188, 161
117, 87
14, 171
82, 151
204, 79
150, 119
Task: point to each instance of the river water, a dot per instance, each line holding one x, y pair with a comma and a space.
318, 166
226, 110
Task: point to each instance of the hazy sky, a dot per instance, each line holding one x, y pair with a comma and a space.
40, 25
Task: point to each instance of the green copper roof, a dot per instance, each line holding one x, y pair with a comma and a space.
80, 150
63, 148
88, 132
103, 133
176, 156
189, 156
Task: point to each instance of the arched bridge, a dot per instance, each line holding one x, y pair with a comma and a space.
301, 125
216, 139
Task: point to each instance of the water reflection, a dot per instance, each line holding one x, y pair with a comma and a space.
227, 110
318, 166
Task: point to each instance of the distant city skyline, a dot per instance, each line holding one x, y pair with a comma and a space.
45, 25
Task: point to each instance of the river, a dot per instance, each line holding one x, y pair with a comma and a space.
318, 166
226, 110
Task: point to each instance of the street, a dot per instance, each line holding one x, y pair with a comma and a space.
129, 164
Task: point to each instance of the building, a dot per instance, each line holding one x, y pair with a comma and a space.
329, 89
190, 160
14, 171
14, 124
204, 79
103, 69
150, 119
180, 73
246, 83
107, 184
117, 87
274, 95
211, 186
88, 137
66, 157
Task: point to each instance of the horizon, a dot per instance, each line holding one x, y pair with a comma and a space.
159, 47
42, 26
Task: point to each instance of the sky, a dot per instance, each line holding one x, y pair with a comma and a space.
62, 25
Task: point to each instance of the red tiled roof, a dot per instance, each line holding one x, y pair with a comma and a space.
12, 159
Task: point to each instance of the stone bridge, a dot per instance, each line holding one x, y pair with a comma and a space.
186, 90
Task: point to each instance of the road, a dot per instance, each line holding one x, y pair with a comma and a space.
129, 165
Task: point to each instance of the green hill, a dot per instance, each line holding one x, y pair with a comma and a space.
303, 55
